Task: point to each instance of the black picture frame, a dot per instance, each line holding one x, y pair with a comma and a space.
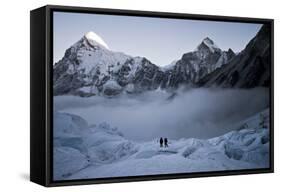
41, 94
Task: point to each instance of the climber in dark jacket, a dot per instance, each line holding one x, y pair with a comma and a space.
166, 142
161, 142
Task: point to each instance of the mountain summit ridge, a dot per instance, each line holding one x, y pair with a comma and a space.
90, 68
94, 39
208, 43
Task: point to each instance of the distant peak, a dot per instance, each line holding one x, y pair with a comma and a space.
230, 50
207, 42
95, 39
230, 53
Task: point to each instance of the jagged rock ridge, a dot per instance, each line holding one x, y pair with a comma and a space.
89, 68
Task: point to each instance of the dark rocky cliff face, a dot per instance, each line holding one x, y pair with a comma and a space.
195, 65
248, 69
148, 76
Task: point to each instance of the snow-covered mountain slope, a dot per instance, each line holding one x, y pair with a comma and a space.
89, 66
82, 151
195, 65
85, 64
250, 68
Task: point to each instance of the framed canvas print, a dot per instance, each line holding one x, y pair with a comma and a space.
119, 95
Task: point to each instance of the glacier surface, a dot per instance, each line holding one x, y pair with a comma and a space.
97, 151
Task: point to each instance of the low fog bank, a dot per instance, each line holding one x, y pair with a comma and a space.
197, 113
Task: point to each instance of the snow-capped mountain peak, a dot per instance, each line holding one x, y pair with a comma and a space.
209, 44
208, 41
94, 39
94, 69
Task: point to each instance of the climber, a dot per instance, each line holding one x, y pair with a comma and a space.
166, 142
161, 142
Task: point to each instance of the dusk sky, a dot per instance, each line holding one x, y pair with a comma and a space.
159, 40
